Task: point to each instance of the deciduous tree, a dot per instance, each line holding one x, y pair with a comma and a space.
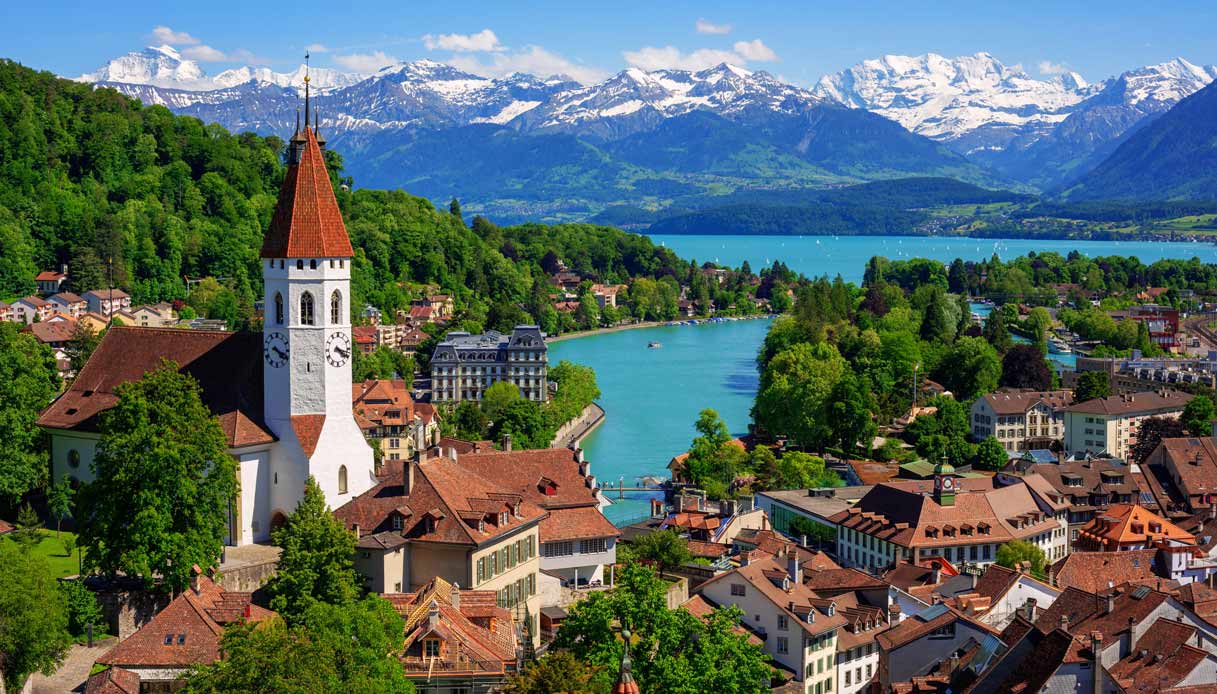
1024, 367
970, 369
163, 486
1198, 416
991, 455
1011, 553
555, 673
28, 382
33, 617
1091, 385
664, 548
1150, 433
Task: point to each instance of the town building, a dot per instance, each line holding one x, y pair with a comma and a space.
282, 396
800, 628
926, 643
1109, 425
1090, 486
1191, 464
108, 302
606, 294
157, 315
185, 634
463, 366
365, 338
1136, 373
69, 303
1021, 420
433, 518
815, 505
29, 309
962, 520
1097, 571
577, 541
390, 418
1162, 323
1124, 527
51, 281
56, 334
456, 640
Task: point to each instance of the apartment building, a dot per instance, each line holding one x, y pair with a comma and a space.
1109, 425
1021, 420
465, 365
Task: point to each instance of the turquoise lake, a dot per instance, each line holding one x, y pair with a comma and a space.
652, 396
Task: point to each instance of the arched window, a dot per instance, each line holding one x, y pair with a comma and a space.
306, 309
336, 307
74, 458
278, 308
312, 264
342, 479
299, 264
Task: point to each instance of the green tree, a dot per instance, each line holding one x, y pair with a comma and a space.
468, 421
28, 383
353, 648
1150, 433
1198, 416
81, 345
1037, 323
664, 548
940, 321
1011, 553
672, 650
317, 563
33, 617
83, 609
997, 333
991, 455
165, 455
555, 673
498, 397
526, 424
28, 531
1091, 385
797, 470
454, 209
794, 392
970, 369
59, 501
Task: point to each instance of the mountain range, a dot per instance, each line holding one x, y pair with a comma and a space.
527, 146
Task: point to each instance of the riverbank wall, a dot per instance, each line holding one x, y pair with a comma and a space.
574, 431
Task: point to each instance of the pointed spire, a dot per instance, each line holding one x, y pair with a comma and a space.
625, 678
306, 81
297, 130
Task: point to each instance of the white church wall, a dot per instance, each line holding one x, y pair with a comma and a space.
255, 479
72, 455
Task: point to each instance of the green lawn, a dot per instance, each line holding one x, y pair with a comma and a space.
52, 549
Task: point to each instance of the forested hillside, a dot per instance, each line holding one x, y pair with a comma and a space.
89, 176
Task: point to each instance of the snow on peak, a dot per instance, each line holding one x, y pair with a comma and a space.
1165, 82
161, 66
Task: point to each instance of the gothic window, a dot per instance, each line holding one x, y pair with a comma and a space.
278, 308
342, 479
306, 309
335, 307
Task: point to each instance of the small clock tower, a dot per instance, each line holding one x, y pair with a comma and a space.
307, 345
944, 484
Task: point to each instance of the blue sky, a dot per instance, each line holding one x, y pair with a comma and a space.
798, 41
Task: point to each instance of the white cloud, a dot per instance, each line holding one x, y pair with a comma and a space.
204, 53
365, 62
163, 34
755, 50
317, 48
670, 57
531, 59
705, 27
1047, 67
483, 41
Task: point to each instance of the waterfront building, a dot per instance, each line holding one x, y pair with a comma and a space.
962, 520
433, 518
799, 627
1109, 425
815, 505
1136, 374
282, 396
1021, 420
464, 365
1162, 323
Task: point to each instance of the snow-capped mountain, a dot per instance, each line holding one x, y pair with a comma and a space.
950, 99
160, 66
634, 99
321, 79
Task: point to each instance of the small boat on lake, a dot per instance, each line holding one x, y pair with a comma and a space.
1058, 346
654, 345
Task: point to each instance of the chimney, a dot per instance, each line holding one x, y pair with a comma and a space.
1096, 665
1111, 603
452, 453
1132, 634
1029, 609
407, 478
936, 575
477, 446
893, 613
433, 614
657, 508
456, 595
507, 442
1064, 622
972, 580
195, 572
578, 455
802, 540
744, 558
793, 569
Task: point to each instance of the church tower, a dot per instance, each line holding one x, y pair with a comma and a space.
307, 345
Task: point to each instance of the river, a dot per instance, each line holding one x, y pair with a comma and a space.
652, 396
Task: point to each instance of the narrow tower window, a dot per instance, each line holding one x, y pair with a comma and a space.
312, 264
306, 309
342, 479
336, 307
299, 264
278, 308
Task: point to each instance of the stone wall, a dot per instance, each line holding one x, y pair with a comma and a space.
575, 430
126, 606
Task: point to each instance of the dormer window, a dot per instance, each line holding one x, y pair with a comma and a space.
482, 525
832, 609
397, 523
503, 518
431, 648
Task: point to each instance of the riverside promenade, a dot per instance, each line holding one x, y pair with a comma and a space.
571, 433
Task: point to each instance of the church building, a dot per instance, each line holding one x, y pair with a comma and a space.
283, 397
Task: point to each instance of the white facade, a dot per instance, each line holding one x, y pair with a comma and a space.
307, 383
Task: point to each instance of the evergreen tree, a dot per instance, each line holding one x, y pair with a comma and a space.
317, 563
454, 209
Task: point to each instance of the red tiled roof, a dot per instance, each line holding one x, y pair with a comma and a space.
1163, 657
49, 332
707, 550
520, 472
228, 367
1123, 524
187, 632
702, 607
1133, 404
364, 334
48, 275
1020, 401
113, 680
1090, 571
383, 402
308, 430
307, 222
577, 524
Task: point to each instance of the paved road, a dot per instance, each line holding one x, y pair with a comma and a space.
72, 675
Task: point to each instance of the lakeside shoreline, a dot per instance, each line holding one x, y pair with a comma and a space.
635, 326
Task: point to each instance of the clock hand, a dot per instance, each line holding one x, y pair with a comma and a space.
342, 352
279, 352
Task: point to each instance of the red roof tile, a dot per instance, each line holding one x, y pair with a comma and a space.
308, 430
577, 524
113, 680
1090, 571
307, 222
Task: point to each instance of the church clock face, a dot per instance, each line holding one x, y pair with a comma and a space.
275, 349
338, 349
948, 483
